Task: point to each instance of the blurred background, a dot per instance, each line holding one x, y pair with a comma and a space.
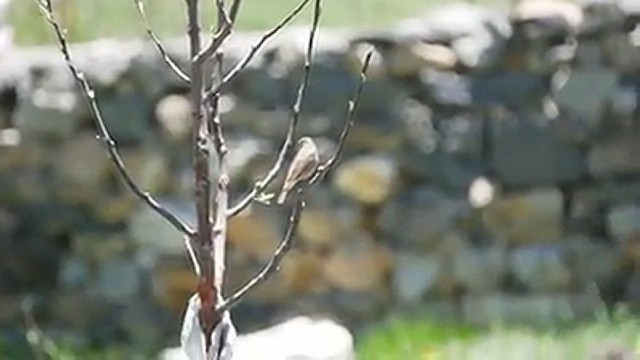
487, 204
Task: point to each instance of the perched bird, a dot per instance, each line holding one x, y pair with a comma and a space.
302, 167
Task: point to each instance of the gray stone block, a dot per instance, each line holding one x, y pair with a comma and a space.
617, 154
587, 92
480, 270
421, 218
540, 268
525, 151
414, 276
624, 222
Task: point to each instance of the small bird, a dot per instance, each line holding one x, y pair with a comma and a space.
304, 164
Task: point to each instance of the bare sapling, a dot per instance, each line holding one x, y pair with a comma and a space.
207, 330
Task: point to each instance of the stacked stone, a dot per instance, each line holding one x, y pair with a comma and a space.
491, 174
517, 133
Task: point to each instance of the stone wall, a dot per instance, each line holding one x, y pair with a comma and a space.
492, 174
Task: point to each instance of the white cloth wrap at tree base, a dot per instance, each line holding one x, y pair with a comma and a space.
192, 339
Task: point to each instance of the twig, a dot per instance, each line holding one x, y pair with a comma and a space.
287, 242
42, 346
274, 263
35, 336
226, 21
101, 129
235, 7
158, 44
260, 185
324, 168
244, 62
214, 44
224, 28
223, 16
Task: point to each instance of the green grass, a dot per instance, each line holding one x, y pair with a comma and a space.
419, 338
409, 339
15, 349
425, 340
90, 19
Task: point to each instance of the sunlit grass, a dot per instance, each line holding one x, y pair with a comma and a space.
409, 339
422, 339
90, 19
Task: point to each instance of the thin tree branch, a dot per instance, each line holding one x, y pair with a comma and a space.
42, 346
244, 62
223, 16
293, 123
189, 243
274, 263
35, 337
214, 44
287, 242
223, 30
233, 12
158, 44
326, 167
102, 132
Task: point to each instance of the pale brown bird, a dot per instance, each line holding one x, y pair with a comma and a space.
302, 166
